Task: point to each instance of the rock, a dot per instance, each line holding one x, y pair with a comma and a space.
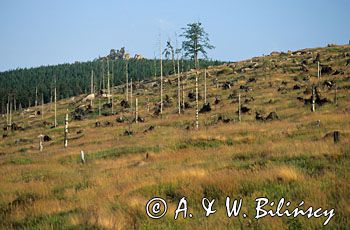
272, 116
205, 108
217, 101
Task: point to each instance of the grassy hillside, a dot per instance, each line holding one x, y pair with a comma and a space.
293, 156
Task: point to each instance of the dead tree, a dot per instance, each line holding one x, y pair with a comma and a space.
136, 110
82, 157
239, 107
313, 99
161, 77
92, 87
42, 106
131, 94
205, 86
127, 81
183, 96
36, 97
108, 85
178, 81
99, 107
7, 115
197, 121
55, 105
10, 114
41, 147
66, 130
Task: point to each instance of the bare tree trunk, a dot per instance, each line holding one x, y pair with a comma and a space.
66, 131
148, 109
178, 82
183, 95
239, 107
197, 121
42, 106
131, 95
161, 77
318, 70
36, 97
205, 86
92, 87
127, 81
11, 113
313, 99
108, 85
99, 107
7, 115
55, 105
136, 110
14, 103
41, 142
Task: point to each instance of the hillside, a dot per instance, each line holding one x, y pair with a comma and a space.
278, 149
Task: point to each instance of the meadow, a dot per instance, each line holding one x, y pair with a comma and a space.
293, 156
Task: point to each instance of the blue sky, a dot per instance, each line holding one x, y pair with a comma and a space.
39, 32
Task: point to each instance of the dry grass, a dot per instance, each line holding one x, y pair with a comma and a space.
290, 157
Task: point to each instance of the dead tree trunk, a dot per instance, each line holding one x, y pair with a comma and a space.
197, 121
131, 95
318, 70
148, 108
55, 105
108, 85
178, 84
239, 107
161, 77
92, 87
127, 82
336, 136
7, 115
313, 98
41, 147
66, 130
205, 86
42, 106
183, 96
36, 97
99, 107
136, 110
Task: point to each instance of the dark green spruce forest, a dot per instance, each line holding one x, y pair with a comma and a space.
19, 85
